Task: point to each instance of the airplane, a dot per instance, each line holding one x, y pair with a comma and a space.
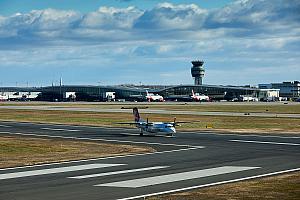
152, 128
153, 97
197, 97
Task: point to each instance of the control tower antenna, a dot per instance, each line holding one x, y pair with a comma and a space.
197, 71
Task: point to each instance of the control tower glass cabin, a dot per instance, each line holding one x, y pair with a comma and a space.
197, 71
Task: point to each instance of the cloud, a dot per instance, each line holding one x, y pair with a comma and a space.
233, 37
111, 18
256, 15
167, 16
39, 20
243, 18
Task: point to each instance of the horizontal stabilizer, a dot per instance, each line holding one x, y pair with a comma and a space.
139, 107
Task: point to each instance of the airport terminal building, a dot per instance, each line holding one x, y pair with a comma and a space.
125, 92
287, 89
138, 92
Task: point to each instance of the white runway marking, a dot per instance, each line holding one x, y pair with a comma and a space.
119, 172
92, 159
60, 129
54, 170
265, 142
72, 126
5, 126
130, 134
210, 184
246, 135
105, 140
142, 182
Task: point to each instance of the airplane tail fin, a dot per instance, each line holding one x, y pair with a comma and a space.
193, 94
136, 114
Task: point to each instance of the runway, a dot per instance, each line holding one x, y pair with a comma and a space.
186, 161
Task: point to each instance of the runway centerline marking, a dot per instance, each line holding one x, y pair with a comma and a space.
54, 170
60, 129
265, 142
118, 172
155, 180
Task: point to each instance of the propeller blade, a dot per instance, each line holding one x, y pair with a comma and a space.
174, 122
147, 122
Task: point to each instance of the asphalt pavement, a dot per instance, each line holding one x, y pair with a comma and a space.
186, 161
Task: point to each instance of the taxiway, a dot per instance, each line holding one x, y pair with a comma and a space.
187, 161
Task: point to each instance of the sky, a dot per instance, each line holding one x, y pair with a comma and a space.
110, 42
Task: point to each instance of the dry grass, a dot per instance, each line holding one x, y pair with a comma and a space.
243, 108
283, 187
20, 151
63, 117
292, 108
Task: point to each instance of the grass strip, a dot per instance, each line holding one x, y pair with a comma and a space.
21, 150
243, 107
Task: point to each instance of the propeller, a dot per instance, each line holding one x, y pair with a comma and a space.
175, 123
147, 122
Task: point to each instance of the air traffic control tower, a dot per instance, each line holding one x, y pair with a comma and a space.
197, 71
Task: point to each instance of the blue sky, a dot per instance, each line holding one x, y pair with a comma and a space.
148, 41
8, 7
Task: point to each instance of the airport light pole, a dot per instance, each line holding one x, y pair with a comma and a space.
60, 91
52, 91
99, 91
140, 89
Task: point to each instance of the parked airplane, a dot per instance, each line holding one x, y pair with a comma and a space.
152, 128
198, 97
153, 97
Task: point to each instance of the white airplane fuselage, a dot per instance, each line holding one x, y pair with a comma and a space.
198, 97
154, 97
157, 127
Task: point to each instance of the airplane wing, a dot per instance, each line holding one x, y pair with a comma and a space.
177, 123
131, 107
185, 122
135, 123
129, 123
